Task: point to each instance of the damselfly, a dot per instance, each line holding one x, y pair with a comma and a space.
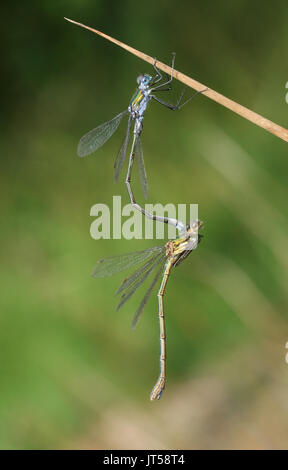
160, 259
147, 87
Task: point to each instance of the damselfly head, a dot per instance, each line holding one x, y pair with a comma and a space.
194, 226
144, 80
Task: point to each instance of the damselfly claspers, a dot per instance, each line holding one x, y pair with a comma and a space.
147, 87
159, 258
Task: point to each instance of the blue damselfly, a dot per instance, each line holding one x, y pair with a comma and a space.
148, 86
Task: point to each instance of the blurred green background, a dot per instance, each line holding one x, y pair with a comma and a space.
72, 373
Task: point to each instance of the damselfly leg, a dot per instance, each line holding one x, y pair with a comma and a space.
158, 77
169, 78
178, 105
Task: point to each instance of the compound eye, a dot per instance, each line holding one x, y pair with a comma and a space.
194, 225
139, 79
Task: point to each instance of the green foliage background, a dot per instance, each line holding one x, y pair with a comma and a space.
72, 373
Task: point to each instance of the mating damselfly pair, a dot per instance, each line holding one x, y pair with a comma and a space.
157, 261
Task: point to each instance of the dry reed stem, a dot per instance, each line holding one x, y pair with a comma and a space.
246, 113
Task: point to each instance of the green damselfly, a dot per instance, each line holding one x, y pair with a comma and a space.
159, 259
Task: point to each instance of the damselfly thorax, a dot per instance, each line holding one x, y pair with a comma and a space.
179, 249
141, 98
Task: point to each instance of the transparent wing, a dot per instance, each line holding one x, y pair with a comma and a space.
145, 299
134, 276
122, 152
192, 245
94, 139
141, 167
139, 280
109, 266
